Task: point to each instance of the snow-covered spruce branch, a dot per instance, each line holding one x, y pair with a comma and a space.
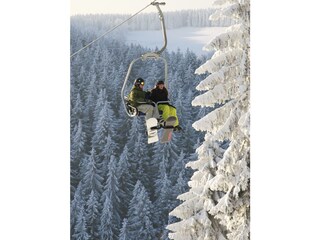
230, 11
196, 227
211, 155
221, 93
221, 76
236, 178
235, 11
237, 222
185, 210
224, 58
215, 119
231, 37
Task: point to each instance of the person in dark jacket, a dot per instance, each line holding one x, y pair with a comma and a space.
159, 94
138, 98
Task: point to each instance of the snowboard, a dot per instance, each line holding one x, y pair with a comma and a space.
152, 125
168, 129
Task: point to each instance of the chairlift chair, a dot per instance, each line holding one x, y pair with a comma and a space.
131, 110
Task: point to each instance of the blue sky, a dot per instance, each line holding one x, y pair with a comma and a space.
132, 6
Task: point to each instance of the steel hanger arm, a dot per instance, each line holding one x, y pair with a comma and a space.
163, 26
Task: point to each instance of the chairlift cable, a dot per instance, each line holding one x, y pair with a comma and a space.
112, 29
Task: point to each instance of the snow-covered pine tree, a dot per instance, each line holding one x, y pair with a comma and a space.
196, 223
80, 227
163, 204
140, 161
104, 128
110, 148
124, 235
91, 95
139, 215
92, 213
99, 106
161, 173
107, 229
181, 185
92, 179
166, 152
77, 152
76, 204
136, 127
178, 165
76, 111
110, 218
124, 175
81, 82
88, 107
217, 205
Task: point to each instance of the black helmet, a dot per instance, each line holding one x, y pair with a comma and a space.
160, 82
139, 81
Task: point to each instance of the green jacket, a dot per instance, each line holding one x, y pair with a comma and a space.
137, 96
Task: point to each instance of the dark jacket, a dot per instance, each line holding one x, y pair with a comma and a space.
158, 95
137, 96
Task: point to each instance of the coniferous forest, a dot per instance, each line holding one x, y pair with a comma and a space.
120, 184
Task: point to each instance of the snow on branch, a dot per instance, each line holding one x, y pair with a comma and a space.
216, 95
237, 222
210, 153
221, 76
235, 178
214, 120
232, 37
228, 57
230, 10
222, 206
236, 11
188, 208
198, 181
220, 93
186, 196
196, 227
204, 162
244, 123
211, 80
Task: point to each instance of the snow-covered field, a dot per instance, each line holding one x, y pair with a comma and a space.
183, 38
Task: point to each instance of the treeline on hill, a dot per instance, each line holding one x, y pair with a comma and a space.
119, 183
150, 21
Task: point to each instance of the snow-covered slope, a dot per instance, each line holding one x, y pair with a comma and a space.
183, 38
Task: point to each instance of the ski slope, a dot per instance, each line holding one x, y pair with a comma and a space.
183, 38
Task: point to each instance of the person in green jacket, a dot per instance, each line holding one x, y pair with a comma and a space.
139, 99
